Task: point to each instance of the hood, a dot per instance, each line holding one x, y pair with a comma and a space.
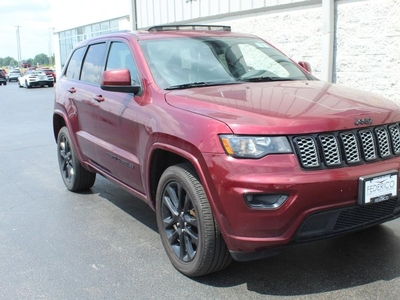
289, 107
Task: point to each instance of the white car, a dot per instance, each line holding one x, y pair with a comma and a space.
33, 78
14, 75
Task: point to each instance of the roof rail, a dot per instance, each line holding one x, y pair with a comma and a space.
189, 27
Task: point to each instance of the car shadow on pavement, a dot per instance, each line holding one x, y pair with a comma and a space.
340, 263
324, 266
125, 201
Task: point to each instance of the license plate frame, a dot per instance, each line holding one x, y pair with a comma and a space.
378, 187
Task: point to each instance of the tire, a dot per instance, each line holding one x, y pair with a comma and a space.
75, 177
50, 85
188, 230
27, 85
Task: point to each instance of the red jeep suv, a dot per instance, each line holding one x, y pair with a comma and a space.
240, 151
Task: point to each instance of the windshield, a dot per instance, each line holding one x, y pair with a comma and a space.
190, 62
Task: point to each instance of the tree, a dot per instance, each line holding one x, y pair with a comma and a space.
41, 59
8, 61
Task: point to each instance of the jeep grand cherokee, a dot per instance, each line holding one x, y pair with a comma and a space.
239, 150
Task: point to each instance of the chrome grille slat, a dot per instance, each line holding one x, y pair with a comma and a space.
395, 137
330, 149
368, 145
350, 146
383, 141
308, 153
338, 149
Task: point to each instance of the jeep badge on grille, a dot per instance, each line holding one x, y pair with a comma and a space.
366, 121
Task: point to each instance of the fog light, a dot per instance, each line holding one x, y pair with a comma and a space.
264, 200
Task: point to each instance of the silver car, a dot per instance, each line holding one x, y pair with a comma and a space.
13, 75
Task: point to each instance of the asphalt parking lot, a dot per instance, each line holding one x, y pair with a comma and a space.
104, 244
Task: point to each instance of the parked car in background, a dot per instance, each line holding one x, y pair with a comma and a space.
240, 151
3, 77
34, 78
49, 71
13, 75
25, 65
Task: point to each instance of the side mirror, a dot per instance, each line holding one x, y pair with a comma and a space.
118, 80
305, 65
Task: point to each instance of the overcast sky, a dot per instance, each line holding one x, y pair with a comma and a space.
35, 31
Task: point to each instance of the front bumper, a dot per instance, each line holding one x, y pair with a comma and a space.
332, 223
320, 204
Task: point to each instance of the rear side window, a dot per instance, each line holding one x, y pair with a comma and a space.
93, 63
74, 65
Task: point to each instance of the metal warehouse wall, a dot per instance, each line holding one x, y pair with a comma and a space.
152, 12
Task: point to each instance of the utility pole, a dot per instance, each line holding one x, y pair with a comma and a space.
18, 46
50, 54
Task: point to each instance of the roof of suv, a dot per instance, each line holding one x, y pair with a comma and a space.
167, 31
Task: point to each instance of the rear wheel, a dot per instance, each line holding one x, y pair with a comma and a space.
188, 230
75, 177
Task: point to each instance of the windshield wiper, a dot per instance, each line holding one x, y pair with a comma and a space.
267, 78
198, 84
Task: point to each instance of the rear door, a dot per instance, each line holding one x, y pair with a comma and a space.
80, 104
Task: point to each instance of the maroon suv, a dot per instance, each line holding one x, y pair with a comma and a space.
239, 150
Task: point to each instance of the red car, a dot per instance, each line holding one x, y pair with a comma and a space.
49, 71
240, 151
25, 65
3, 77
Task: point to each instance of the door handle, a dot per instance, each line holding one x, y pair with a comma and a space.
72, 90
98, 98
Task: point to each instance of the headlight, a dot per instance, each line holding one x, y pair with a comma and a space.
254, 146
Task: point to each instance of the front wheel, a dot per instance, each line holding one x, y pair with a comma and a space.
188, 230
75, 177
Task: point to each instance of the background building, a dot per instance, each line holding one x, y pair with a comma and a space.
352, 42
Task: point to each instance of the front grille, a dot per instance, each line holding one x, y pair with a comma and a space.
363, 215
338, 149
338, 221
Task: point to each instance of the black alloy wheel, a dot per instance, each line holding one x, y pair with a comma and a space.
75, 177
188, 230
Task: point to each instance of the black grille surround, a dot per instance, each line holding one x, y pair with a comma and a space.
336, 222
347, 148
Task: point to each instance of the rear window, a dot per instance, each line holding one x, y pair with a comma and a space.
74, 64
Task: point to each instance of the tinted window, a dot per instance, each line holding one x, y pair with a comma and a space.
92, 64
74, 65
121, 57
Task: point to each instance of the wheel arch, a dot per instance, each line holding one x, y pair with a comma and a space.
58, 123
163, 155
